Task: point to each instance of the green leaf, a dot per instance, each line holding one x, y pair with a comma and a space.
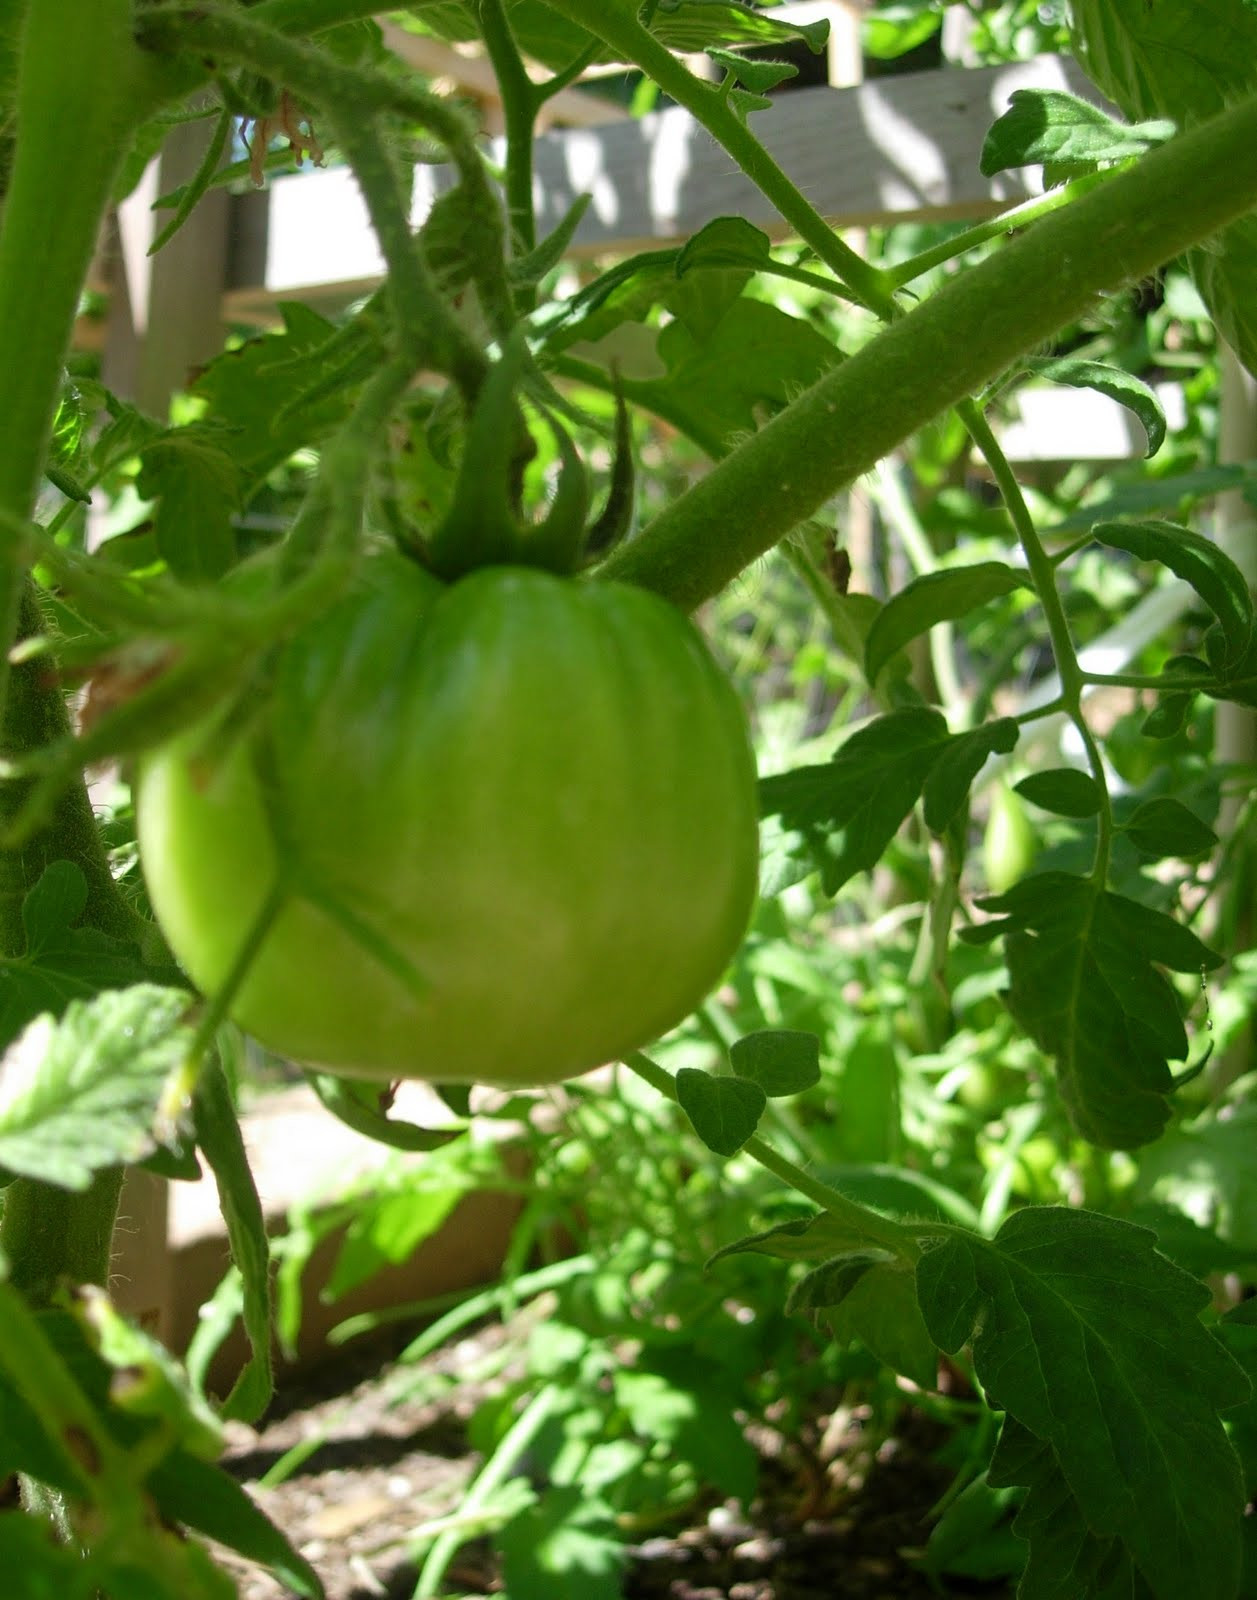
1093, 1344
893, 30
81, 1094
1064, 790
1050, 126
284, 391
815, 1238
683, 25
881, 1311
1083, 984
725, 242
1198, 561
196, 482
362, 1106
1140, 495
831, 1283
202, 1497
757, 75
1187, 62
781, 1060
567, 1543
849, 809
218, 1134
936, 597
724, 378
147, 1380
1124, 387
61, 962
963, 757
724, 1111
1165, 827
388, 1228
1067, 1561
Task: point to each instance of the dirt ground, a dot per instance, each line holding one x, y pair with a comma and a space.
378, 1468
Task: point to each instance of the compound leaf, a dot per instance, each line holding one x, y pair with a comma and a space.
1083, 984
1093, 1344
61, 962
849, 809
81, 1094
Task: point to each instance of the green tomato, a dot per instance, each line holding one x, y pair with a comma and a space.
1010, 843
517, 817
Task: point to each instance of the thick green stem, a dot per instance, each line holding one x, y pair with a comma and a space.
618, 26
940, 353
49, 1234
83, 88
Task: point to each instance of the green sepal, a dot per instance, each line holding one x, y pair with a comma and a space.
481, 529
616, 517
556, 542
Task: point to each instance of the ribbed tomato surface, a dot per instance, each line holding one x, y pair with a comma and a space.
517, 816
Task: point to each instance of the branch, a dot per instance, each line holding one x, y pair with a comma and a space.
942, 352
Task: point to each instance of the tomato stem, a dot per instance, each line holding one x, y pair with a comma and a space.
942, 352
881, 1230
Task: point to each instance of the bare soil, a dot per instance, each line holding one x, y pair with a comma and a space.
378, 1468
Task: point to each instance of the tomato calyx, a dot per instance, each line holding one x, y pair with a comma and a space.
483, 526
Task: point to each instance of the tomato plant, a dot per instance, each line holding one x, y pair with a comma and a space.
503, 826
515, 817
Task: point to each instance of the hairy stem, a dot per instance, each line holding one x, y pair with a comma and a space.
942, 352
519, 105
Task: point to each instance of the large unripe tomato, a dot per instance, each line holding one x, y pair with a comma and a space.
519, 814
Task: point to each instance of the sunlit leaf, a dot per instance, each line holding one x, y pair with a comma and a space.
1093, 1344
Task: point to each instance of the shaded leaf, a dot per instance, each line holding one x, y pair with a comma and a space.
935, 597
757, 75
1067, 1561
1141, 495
725, 242
1165, 827
962, 758
1198, 561
830, 1283
782, 1061
196, 482
815, 1238
1187, 62
218, 1135
849, 809
204, 1498
1093, 1344
361, 1106
1051, 126
61, 962
81, 1094
725, 1111
1124, 387
1064, 790
1083, 984
881, 1311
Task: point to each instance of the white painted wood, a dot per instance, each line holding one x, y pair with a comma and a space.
898, 149
1055, 423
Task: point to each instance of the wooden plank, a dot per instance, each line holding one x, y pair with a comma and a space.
894, 150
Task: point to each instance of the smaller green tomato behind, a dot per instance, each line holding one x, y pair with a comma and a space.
516, 815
